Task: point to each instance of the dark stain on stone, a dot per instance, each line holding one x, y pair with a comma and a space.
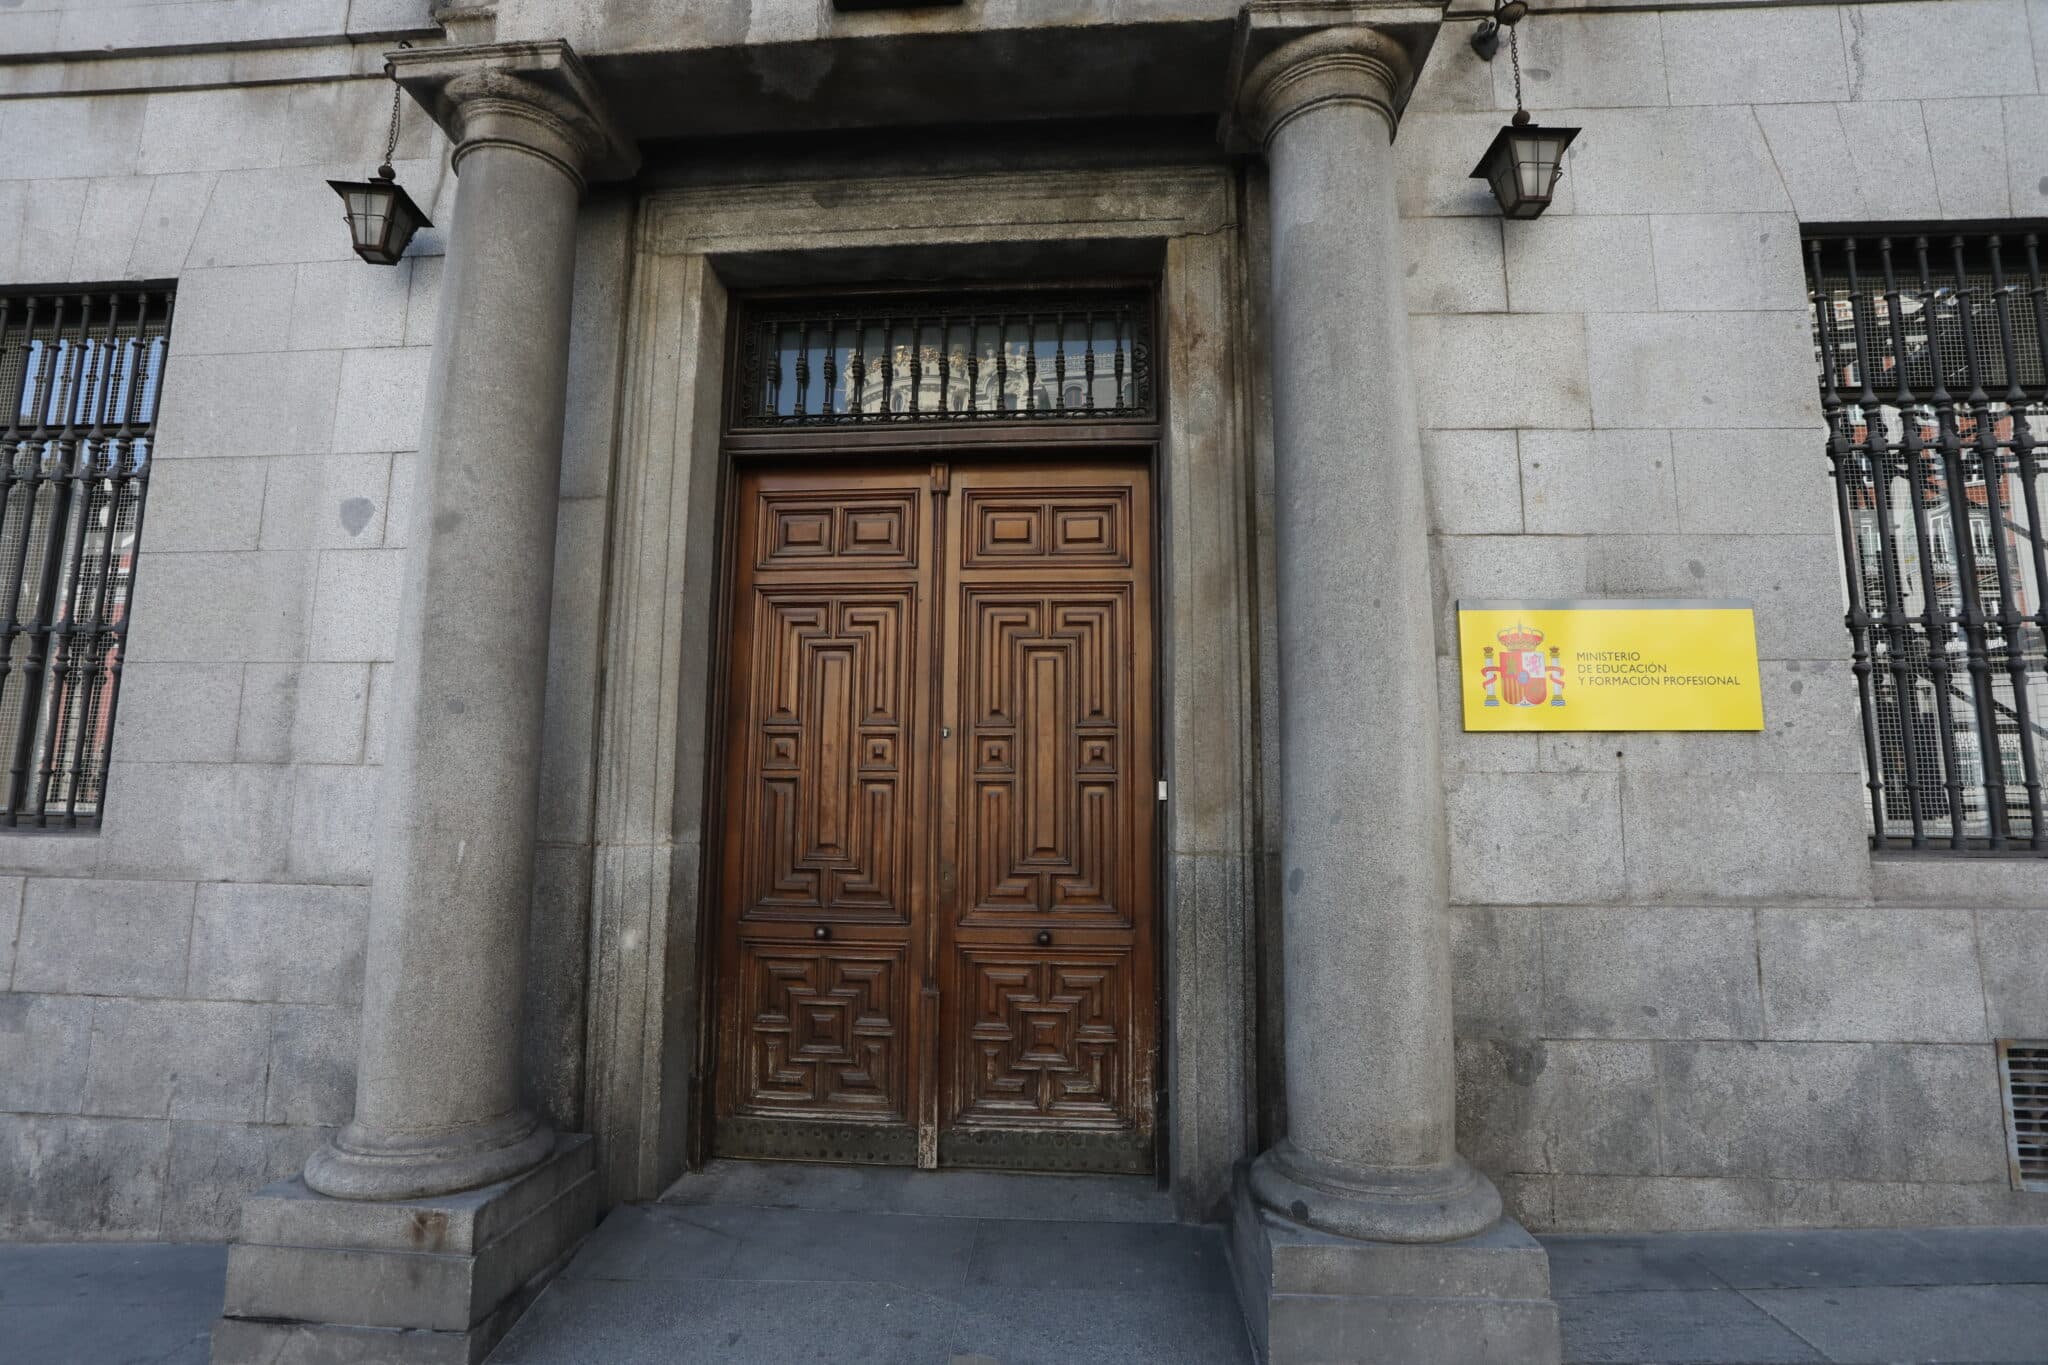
456, 706
1295, 879
447, 521
356, 514
427, 1228
1299, 1208
1522, 1061
1695, 568
1797, 687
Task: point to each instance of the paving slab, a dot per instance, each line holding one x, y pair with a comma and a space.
110, 1304
1677, 1327
1932, 1323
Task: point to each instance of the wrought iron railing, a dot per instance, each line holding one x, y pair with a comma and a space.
876, 360
80, 374
1930, 352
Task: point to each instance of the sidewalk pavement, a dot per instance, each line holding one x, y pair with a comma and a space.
729, 1285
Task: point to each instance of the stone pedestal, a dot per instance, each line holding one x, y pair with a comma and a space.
1314, 1296
1362, 1234
407, 1282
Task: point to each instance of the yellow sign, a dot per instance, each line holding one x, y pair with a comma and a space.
1622, 665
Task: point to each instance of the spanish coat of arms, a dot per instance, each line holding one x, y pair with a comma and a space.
1522, 674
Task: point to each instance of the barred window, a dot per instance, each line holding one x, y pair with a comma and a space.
80, 372
921, 359
1930, 352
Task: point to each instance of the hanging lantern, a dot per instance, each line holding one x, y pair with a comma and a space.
381, 216
1523, 165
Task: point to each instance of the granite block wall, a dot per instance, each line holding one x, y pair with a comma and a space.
179, 992
1688, 995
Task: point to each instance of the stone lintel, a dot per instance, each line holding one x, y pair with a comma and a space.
1265, 26
418, 1280
545, 82
1312, 1298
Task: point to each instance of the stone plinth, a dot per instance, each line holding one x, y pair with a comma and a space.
409, 1282
1312, 1296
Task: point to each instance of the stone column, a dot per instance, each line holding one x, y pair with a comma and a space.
429, 1221
1369, 1151
437, 1094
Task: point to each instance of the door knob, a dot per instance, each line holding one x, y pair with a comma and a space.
1044, 937
821, 932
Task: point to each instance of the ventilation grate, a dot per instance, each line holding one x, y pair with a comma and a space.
2023, 1072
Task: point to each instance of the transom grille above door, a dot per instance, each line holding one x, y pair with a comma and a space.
1078, 355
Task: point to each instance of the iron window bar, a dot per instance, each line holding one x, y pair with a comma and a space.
81, 374
873, 360
1930, 350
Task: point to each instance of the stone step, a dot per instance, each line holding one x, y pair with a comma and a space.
940, 1194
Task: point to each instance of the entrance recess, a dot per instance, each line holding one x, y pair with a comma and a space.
935, 913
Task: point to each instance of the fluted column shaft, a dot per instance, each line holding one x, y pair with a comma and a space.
438, 1104
1370, 1088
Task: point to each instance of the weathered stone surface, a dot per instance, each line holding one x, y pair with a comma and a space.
10, 924
1792, 581
226, 820
330, 711
1754, 482
179, 712
278, 943
1580, 482
1771, 55
326, 502
1587, 61
1496, 972
1735, 261
1702, 369
1547, 387
1544, 1105
248, 606
214, 1165
275, 403
64, 1178
1907, 976
312, 1065
1764, 835
1841, 1111
1627, 973
184, 1059
1475, 482
1850, 162
104, 937
1454, 266
2014, 944
1625, 162
1879, 39
205, 505
1562, 841
355, 612
381, 397
1563, 264
334, 815
44, 1043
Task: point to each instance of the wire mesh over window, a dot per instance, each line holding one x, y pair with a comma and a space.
80, 373
873, 360
1930, 354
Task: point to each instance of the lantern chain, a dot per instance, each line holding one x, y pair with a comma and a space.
1514, 60
391, 138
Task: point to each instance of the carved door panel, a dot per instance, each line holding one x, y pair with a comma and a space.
935, 938
823, 874
1044, 892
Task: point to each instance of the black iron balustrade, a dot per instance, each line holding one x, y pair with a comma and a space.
1930, 348
80, 378
879, 360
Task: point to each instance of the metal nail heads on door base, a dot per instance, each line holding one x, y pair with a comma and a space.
822, 932
1044, 938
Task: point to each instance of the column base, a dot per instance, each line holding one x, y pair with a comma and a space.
409, 1282
359, 1163
1313, 1297
1441, 1204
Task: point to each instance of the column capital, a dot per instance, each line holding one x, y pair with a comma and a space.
1353, 64
536, 97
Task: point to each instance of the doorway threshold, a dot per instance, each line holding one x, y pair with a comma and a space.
941, 1194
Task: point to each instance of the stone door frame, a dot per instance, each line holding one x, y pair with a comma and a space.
646, 1020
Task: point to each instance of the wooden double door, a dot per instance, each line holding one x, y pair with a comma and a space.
936, 883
